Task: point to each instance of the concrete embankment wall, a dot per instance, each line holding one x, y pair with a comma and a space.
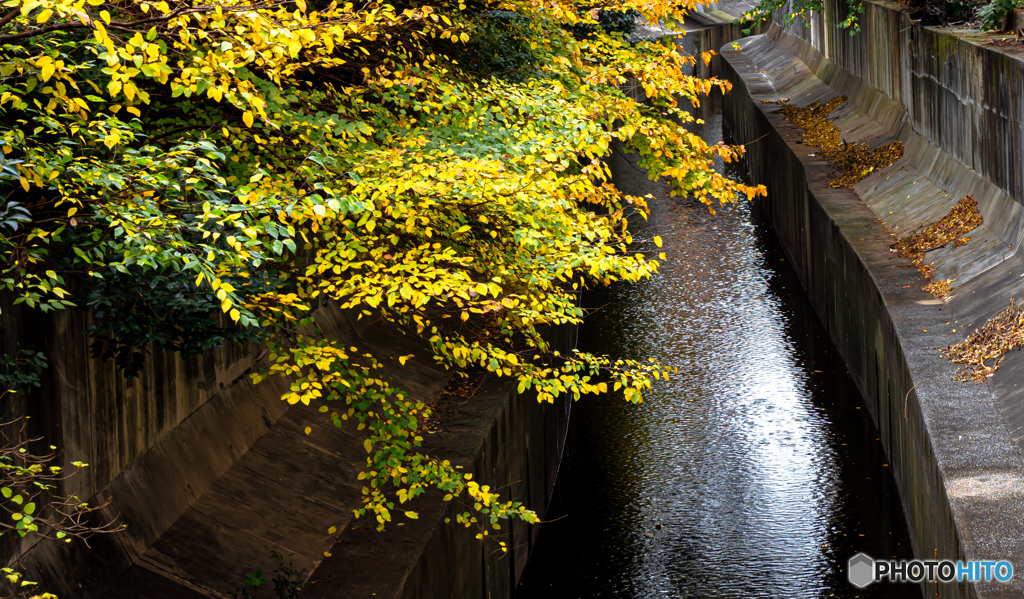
211, 473
952, 446
509, 442
962, 90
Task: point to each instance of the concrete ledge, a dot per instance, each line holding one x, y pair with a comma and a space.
511, 443
959, 470
961, 87
240, 477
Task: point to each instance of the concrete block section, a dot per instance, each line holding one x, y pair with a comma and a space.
241, 478
498, 435
952, 445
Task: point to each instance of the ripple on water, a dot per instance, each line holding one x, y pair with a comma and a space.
754, 459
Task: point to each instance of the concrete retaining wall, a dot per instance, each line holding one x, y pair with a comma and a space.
211, 474
952, 446
513, 444
963, 90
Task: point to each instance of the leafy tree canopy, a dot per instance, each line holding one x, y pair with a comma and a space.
196, 173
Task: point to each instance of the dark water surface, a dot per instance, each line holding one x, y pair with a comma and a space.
756, 460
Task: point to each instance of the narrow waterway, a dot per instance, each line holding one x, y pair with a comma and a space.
754, 472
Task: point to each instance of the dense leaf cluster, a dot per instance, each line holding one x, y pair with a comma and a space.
21, 373
205, 173
789, 10
993, 15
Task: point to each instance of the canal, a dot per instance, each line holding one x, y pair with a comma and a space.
755, 472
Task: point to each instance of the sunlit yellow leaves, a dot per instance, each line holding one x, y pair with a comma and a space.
384, 178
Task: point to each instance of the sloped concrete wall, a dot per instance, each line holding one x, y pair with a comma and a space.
953, 446
511, 443
94, 414
211, 473
961, 91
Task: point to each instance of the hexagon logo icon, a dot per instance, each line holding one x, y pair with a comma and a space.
860, 570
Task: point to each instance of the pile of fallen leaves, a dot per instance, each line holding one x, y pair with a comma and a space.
1002, 333
460, 387
963, 218
457, 392
813, 119
939, 288
858, 161
855, 161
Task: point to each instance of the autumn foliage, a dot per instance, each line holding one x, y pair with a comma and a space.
196, 174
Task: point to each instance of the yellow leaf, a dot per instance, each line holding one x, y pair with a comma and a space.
412, 515
657, 241
309, 429
247, 118
105, 16
367, 445
332, 530
235, 315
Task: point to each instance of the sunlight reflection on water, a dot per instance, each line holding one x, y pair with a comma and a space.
755, 459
